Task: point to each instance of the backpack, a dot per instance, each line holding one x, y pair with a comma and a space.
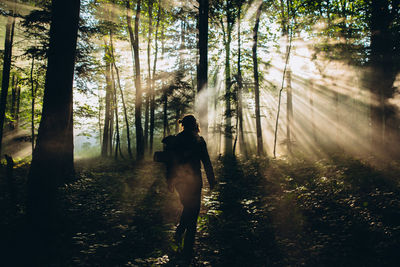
168, 154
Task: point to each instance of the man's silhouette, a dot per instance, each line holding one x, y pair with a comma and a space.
186, 150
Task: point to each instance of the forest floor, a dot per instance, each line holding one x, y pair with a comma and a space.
336, 212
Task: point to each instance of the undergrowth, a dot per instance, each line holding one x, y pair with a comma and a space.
264, 212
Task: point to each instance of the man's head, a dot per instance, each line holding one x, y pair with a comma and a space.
189, 123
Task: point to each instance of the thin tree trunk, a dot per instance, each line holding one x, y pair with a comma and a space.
14, 85
107, 112
152, 95
8, 42
112, 108
289, 111
138, 100
286, 31
149, 79
228, 111
202, 69
146, 120
115, 102
123, 104
15, 104
240, 91
260, 146
34, 92
289, 104
18, 106
99, 120
33, 97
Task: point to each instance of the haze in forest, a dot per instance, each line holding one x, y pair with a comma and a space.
319, 57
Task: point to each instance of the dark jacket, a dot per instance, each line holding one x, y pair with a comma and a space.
186, 150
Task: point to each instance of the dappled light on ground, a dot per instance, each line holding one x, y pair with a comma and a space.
263, 213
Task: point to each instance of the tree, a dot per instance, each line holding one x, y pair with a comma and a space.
107, 130
134, 38
257, 83
224, 13
382, 48
202, 67
52, 160
149, 78
152, 92
8, 42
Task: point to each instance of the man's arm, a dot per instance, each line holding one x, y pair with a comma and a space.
205, 158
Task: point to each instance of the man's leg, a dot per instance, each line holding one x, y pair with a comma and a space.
192, 212
183, 222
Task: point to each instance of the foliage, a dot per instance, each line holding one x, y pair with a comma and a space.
339, 211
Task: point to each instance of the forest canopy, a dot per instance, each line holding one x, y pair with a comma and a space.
298, 105
281, 77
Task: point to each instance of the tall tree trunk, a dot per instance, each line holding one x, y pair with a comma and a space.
146, 120
149, 82
289, 111
382, 77
115, 102
112, 109
8, 42
152, 92
18, 96
125, 112
107, 111
240, 90
202, 67
165, 114
286, 32
123, 102
289, 104
14, 104
228, 110
14, 81
260, 146
53, 158
33, 98
99, 120
138, 100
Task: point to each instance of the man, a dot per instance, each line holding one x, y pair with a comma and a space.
186, 150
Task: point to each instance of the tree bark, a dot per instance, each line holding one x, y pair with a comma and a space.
228, 110
8, 42
14, 85
125, 112
289, 111
152, 95
53, 159
18, 97
260, 146
107, 111
33, 98
115, 102
123, 102
138, 100
381, 80
149, 79
289, 104
240, 90
202, 67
